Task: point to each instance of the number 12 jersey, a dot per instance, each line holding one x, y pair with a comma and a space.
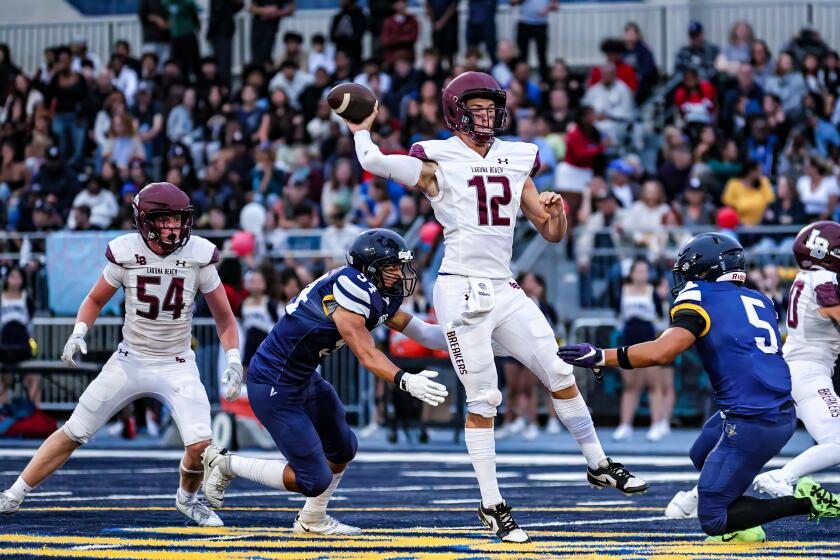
477, 202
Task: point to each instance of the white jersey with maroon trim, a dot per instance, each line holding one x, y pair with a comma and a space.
478, 201
160, 291
812, 337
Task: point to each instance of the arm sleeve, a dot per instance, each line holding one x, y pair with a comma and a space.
692, 318
351, 296
208, 279
403, 169
429, 335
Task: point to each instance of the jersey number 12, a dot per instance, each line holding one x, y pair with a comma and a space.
495, 201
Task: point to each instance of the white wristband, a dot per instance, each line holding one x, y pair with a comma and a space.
233, 356
80, 329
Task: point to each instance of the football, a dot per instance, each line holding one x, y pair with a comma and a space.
353, 102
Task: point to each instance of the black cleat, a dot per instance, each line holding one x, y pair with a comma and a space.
613, 475
499, 520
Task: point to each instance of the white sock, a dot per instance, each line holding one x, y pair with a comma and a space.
575, 416
813, 459
316, 507
19, 490
481, 445
185, 497
268, 472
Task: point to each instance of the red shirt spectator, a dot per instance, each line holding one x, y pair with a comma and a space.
623, 72
399, 35
694, 96
580, 150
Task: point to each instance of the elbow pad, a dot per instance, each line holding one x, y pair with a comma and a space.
402, 169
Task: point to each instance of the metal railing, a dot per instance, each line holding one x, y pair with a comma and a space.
575, 31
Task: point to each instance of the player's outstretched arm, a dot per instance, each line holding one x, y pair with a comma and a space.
545, 210
219, 306
659, 352
353, 330
429, 335
90, 309
406, 170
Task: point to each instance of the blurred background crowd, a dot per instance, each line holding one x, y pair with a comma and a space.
733, 137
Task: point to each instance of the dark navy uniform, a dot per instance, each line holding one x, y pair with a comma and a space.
740, 346
301, 411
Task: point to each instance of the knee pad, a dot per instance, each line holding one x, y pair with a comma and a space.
314, 483
348, 450
76, 431
485, 403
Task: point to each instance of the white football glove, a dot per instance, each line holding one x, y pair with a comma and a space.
233, 375
420, 386
76, 343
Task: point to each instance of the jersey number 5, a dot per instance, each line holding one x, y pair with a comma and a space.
771, 345
173, 300
495, 201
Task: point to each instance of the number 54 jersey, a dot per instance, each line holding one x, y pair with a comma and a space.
160, 291
477, 202
739, 345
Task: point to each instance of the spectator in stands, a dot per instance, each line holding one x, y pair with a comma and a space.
810, 73
826, 137
506, 56
529, 89
786, 210
293, 49
101, 202
16, 309
527, 132
183, 28
342, 188
481, 26
818, 190
321, 55
749, 194
699, 53
399, 35
55, 179
694, 206
829, 74
638, 55
696, 100
346, 31
807, 41
338, 235
619, 173
220, 30
123, 145
584, 145
378, 11
737, 51
788, 85
79, 52
602, 230
180, 124
641, 310
643, 220
290, 79
149, 119
66, 94
266, 180
14, 175
276, 124
259, 311
125, 78
745, 91
762, 62
614, 50
533, 25
613, 103
80, 218
443, 17
675, 171
113, 108
154, 21
379, 211
265, 20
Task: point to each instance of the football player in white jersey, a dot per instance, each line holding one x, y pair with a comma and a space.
477, 184
162, 268
811, 348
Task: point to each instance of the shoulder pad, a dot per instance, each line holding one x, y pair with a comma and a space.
200, 251
123, 249
691, 292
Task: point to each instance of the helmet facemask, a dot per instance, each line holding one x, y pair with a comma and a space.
407, 280
169, 241
470, 116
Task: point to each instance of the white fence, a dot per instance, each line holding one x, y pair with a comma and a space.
576, 30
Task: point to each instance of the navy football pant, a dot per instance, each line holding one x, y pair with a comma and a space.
309, 425
729, 453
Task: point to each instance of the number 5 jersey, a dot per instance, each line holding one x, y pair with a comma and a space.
477, 202
160, 291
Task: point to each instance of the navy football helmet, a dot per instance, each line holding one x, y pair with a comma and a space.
711, 257
376, 249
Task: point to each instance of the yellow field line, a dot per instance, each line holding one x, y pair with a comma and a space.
569, 509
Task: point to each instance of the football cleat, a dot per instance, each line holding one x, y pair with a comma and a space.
325, 526
612, 474
774, 483
753, 535
217, 475
823, 502
683, 505
199, 512
499, 520
8, 504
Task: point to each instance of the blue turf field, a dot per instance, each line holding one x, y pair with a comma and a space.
412, 505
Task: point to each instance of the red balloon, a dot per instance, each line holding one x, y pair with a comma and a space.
429, 232
242, 243
727, 218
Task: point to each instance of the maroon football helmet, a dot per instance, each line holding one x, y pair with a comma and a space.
817, 246
458, 116
158, 200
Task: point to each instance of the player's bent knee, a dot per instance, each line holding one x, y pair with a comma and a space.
486, 403
314, 483
76, 431
348, 450
712, 516
713, 526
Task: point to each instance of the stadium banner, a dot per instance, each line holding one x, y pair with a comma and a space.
74, 262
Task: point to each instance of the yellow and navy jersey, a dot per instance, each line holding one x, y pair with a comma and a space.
293, 349
738, 339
